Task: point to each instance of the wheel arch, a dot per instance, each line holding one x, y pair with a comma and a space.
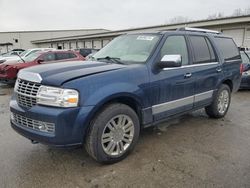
229, 83
124, 98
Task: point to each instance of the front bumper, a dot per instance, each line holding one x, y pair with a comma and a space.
245, 82
70, 124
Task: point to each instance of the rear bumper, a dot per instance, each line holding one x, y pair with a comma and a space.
70, 124
245, 82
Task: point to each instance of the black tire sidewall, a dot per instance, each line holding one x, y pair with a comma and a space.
100, 123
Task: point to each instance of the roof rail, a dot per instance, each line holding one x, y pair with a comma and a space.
198, 30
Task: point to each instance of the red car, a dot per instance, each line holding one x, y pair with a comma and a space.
9, 70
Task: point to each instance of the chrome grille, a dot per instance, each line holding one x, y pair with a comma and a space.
33, 124
26, 92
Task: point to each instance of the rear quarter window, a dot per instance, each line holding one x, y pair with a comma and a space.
227, 48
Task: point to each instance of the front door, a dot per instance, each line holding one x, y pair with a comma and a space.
172, 89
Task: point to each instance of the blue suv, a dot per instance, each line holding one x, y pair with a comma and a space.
136, 81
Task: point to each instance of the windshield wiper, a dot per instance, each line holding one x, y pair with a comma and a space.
113, 59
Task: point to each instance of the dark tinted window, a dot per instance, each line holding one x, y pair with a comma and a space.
202, 49
175, 45
49, 57
72, 55
60, 56
65, 55
85, 52
227, 48
211, 50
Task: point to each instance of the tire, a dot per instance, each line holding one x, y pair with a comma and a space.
218, 109
113, 133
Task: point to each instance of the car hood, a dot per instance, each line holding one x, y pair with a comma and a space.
56, 74
9, 58
12, 62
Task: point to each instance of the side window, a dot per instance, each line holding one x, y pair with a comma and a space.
31, 52
72, 55
49, 57
227, 48
60, 56
175, 45
202, 50
211, 51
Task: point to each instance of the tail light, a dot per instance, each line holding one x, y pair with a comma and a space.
241, 68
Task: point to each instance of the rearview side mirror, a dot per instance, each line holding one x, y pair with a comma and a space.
170, 61
40, 61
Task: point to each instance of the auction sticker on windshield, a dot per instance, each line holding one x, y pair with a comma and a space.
141, 37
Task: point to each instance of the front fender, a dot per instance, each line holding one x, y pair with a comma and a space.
116, 90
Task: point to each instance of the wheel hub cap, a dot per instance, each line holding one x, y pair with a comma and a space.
223, 101
117, 135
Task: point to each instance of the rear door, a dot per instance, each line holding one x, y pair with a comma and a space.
231, 60
207, 69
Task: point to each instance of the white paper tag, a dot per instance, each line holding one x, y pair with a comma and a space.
143, 37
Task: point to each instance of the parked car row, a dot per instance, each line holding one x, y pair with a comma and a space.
11, 66
245, 79
16, 56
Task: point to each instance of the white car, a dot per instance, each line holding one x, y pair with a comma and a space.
23, 54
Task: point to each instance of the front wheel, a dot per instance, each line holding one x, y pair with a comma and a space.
113, 133
221, 103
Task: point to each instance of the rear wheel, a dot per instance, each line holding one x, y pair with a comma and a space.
113, 133
221, 103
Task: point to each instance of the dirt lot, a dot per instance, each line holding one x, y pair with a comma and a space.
194, 151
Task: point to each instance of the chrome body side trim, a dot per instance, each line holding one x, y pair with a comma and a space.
172, 105
159, 108
233, 60
203, 96
29, 76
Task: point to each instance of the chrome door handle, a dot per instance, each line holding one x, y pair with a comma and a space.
218, 69
188, 75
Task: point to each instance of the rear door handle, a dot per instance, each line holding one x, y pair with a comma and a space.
218, 69
188, 75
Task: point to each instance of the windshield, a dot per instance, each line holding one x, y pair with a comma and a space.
129, 49
31, 57
7, 54
24, 53
28, 52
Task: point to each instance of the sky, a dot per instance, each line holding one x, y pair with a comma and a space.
19, 15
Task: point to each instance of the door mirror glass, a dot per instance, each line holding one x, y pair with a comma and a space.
170, 61
40, 61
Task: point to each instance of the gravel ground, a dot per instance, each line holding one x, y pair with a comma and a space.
192, 151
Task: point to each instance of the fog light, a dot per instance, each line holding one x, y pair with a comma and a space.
42, 127
11, 116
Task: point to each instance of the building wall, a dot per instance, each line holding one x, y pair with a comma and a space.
25, 38
239, 31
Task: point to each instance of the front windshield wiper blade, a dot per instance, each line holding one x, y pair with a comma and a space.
113, 59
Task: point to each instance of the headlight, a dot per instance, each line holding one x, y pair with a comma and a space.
59, 97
